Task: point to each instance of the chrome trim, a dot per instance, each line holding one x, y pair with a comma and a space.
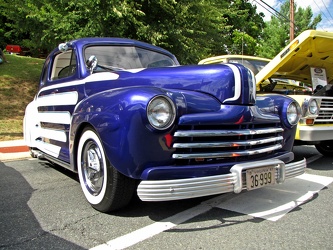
298, 113
227, 144
305, 107
197, 133
325, 115
238, 83
173, 112
316, 133
294, 169
239, 168
233, 153
164, 190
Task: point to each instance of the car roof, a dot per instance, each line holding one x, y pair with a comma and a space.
222, 58
81, 42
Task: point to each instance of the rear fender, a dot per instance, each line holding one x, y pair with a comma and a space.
31, 124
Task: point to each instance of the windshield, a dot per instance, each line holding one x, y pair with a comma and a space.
127, 57
253, 65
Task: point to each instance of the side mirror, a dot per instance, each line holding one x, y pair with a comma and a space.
63, 47
92, 63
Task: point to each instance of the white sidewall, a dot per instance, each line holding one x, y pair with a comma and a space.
90, 135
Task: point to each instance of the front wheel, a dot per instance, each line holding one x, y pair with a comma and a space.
104, 187
325, 148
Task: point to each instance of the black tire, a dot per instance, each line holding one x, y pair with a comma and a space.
325, 148
104, 187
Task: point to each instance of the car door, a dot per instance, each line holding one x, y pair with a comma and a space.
61, 89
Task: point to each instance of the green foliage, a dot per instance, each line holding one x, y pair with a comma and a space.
192, 30
246, 27
276, 34
24, 68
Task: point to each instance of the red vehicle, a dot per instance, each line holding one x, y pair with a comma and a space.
17, 49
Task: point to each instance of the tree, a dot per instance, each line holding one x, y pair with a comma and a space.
192, 30
276, 34
246, 27
189, 29
41, 24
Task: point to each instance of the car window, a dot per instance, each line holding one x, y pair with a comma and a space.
64, 65
128, 57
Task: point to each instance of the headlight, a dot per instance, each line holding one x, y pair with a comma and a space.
313, 107
310, 108
161, 112
292, 113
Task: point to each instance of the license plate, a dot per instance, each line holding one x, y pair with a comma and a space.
260, 177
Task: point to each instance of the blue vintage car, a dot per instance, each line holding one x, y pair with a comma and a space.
130, 120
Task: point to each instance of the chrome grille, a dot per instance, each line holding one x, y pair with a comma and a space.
235, 143
325, 112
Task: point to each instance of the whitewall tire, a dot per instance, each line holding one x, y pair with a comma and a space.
104, 187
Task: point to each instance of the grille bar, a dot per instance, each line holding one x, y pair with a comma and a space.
207, 144
326, 112
227, 154
228, 144
232, 132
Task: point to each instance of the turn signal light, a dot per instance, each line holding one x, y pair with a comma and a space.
309, 121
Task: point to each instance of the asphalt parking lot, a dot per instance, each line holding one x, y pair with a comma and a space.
42, 207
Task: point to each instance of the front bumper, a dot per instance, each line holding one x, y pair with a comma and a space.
165, 190
314, 133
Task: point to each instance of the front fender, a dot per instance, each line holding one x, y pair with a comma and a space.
119, 118
278, 104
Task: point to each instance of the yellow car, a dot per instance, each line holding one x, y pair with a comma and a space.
302, 70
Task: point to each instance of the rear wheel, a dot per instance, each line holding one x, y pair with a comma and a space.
325, 148
104, 187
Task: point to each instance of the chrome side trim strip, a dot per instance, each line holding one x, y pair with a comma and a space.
238, 83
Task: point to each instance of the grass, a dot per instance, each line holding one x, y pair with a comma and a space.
19, 81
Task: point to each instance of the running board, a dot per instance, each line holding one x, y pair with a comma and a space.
36, 153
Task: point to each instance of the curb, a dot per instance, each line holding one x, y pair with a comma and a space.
13, 150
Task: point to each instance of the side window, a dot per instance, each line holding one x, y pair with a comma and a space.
45, 72
64, 65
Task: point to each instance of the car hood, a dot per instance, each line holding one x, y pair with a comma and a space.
309, 51
227, 83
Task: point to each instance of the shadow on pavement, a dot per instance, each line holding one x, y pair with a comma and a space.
19, 229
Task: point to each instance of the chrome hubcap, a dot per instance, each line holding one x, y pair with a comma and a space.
92, 168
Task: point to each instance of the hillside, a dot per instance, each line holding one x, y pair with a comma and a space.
18, 84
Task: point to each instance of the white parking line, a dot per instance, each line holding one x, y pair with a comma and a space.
161, 226
270, 203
